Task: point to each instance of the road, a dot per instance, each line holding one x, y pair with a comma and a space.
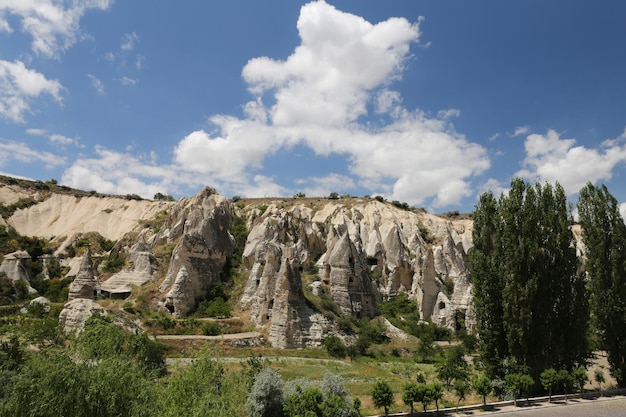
600, 407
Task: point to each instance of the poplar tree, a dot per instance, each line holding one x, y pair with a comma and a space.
529, 296
604, 236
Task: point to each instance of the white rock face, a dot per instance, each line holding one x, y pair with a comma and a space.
84, 284
76, 312
199, 225
14, 268
66, 215
361, 253
138, 271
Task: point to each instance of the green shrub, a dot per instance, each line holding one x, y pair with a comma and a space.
211, 329
335, 347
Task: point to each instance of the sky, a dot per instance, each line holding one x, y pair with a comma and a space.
425, 102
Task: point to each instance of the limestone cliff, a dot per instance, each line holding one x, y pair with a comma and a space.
199, 228
363, 251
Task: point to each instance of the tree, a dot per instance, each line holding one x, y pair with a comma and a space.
483, 387
580, 378
382, 395
304, 403
548, 379
436, 393
454, 366
409, 394
162, 197
598, 376
461, 389
334, 346
566, 381
604, 236
530, 299
266, 397
518, 384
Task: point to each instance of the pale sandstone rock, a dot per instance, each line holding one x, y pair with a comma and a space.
200, 226
76, 312
84, 284
137, 272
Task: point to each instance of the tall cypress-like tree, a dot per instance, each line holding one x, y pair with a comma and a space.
529, 297
604, 236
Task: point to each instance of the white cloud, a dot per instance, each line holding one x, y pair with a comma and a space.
550, 158
127, 81
19, 86
319, 93
129, 40
96, 84
53, 137
521, 130
121, 173
53, 25
11, 151
323, 186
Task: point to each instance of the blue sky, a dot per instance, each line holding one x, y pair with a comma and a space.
425, 102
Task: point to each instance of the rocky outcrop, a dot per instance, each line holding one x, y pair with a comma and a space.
14, 266
359, 255
84, 285
199, 227
138, 271
76, 312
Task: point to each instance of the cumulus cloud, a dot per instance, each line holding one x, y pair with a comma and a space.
11, 151
550, 158
521, 130
121, 173
19, 86
317, 96
127, 81
53, 25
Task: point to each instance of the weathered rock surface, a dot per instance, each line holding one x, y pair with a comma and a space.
84, 285
199, 227
76, 312
66, 215
137, 272
13, 265
362, 253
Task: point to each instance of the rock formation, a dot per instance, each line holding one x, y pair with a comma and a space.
137, 272
14, 265
362, 254
76, 312
84, 284
199, 227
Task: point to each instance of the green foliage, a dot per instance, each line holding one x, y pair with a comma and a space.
57, 385
529, 297
203, 388
604, 236
113, 263
549, 378
382, 395
461, 388
580, 378
304, 403
12, 354
163, 197
102, 338
211, 329
22, 203
266, 396
482, 386
333, 196
335, 347
299, 195
454, 367
518, 384
218, 307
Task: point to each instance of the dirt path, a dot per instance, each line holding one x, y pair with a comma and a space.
231, 336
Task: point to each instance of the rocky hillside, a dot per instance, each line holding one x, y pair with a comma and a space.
303, 257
